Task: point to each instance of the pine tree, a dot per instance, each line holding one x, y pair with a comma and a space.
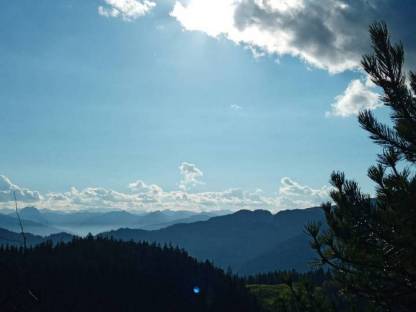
370, 243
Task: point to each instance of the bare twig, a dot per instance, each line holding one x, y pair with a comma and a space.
22, 269
20, 222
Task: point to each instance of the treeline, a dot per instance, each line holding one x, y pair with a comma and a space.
291, 291
316, 277
98, 274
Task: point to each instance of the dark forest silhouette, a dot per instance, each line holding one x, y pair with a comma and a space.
97, 274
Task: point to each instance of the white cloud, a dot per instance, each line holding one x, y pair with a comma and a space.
357, 96
140, 187
294, 195
235, 107
149, 197
128, 10
146, 193
213, 17
7, 188
328, 34
190, 175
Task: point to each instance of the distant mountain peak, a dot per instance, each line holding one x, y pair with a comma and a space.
30, 209
257, 212
258, 215
33, 214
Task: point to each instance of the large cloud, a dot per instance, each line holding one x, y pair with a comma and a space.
128, 10
328, 34
148, 197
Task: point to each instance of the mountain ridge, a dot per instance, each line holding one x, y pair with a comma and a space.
45, 222
236, 239
246, 241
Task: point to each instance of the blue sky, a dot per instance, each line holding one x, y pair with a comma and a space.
99, 95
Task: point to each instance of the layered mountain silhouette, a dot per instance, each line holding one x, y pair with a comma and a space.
46, 222
10, 222
16, 239
246, 241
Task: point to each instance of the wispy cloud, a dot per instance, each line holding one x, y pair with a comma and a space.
128, 10
235, 107
190, 174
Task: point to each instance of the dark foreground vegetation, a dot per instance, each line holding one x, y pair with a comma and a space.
96, 274
314, 291
368, 244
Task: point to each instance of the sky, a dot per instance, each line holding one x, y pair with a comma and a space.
196, 104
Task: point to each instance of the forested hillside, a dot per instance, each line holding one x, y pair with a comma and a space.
103, 275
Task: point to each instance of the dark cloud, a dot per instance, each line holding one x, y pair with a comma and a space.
328, 33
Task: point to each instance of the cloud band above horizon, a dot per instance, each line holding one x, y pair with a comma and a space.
149, 197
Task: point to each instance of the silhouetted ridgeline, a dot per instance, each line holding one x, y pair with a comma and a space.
247, 241
46, 222
16, 239
104, 275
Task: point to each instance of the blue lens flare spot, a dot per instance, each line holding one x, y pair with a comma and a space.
196, 290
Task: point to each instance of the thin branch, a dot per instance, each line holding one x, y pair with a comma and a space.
20, 222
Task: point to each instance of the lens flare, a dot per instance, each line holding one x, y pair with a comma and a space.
196, 290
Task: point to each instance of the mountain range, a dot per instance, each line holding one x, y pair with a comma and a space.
247, 242
16, 239
45, 222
